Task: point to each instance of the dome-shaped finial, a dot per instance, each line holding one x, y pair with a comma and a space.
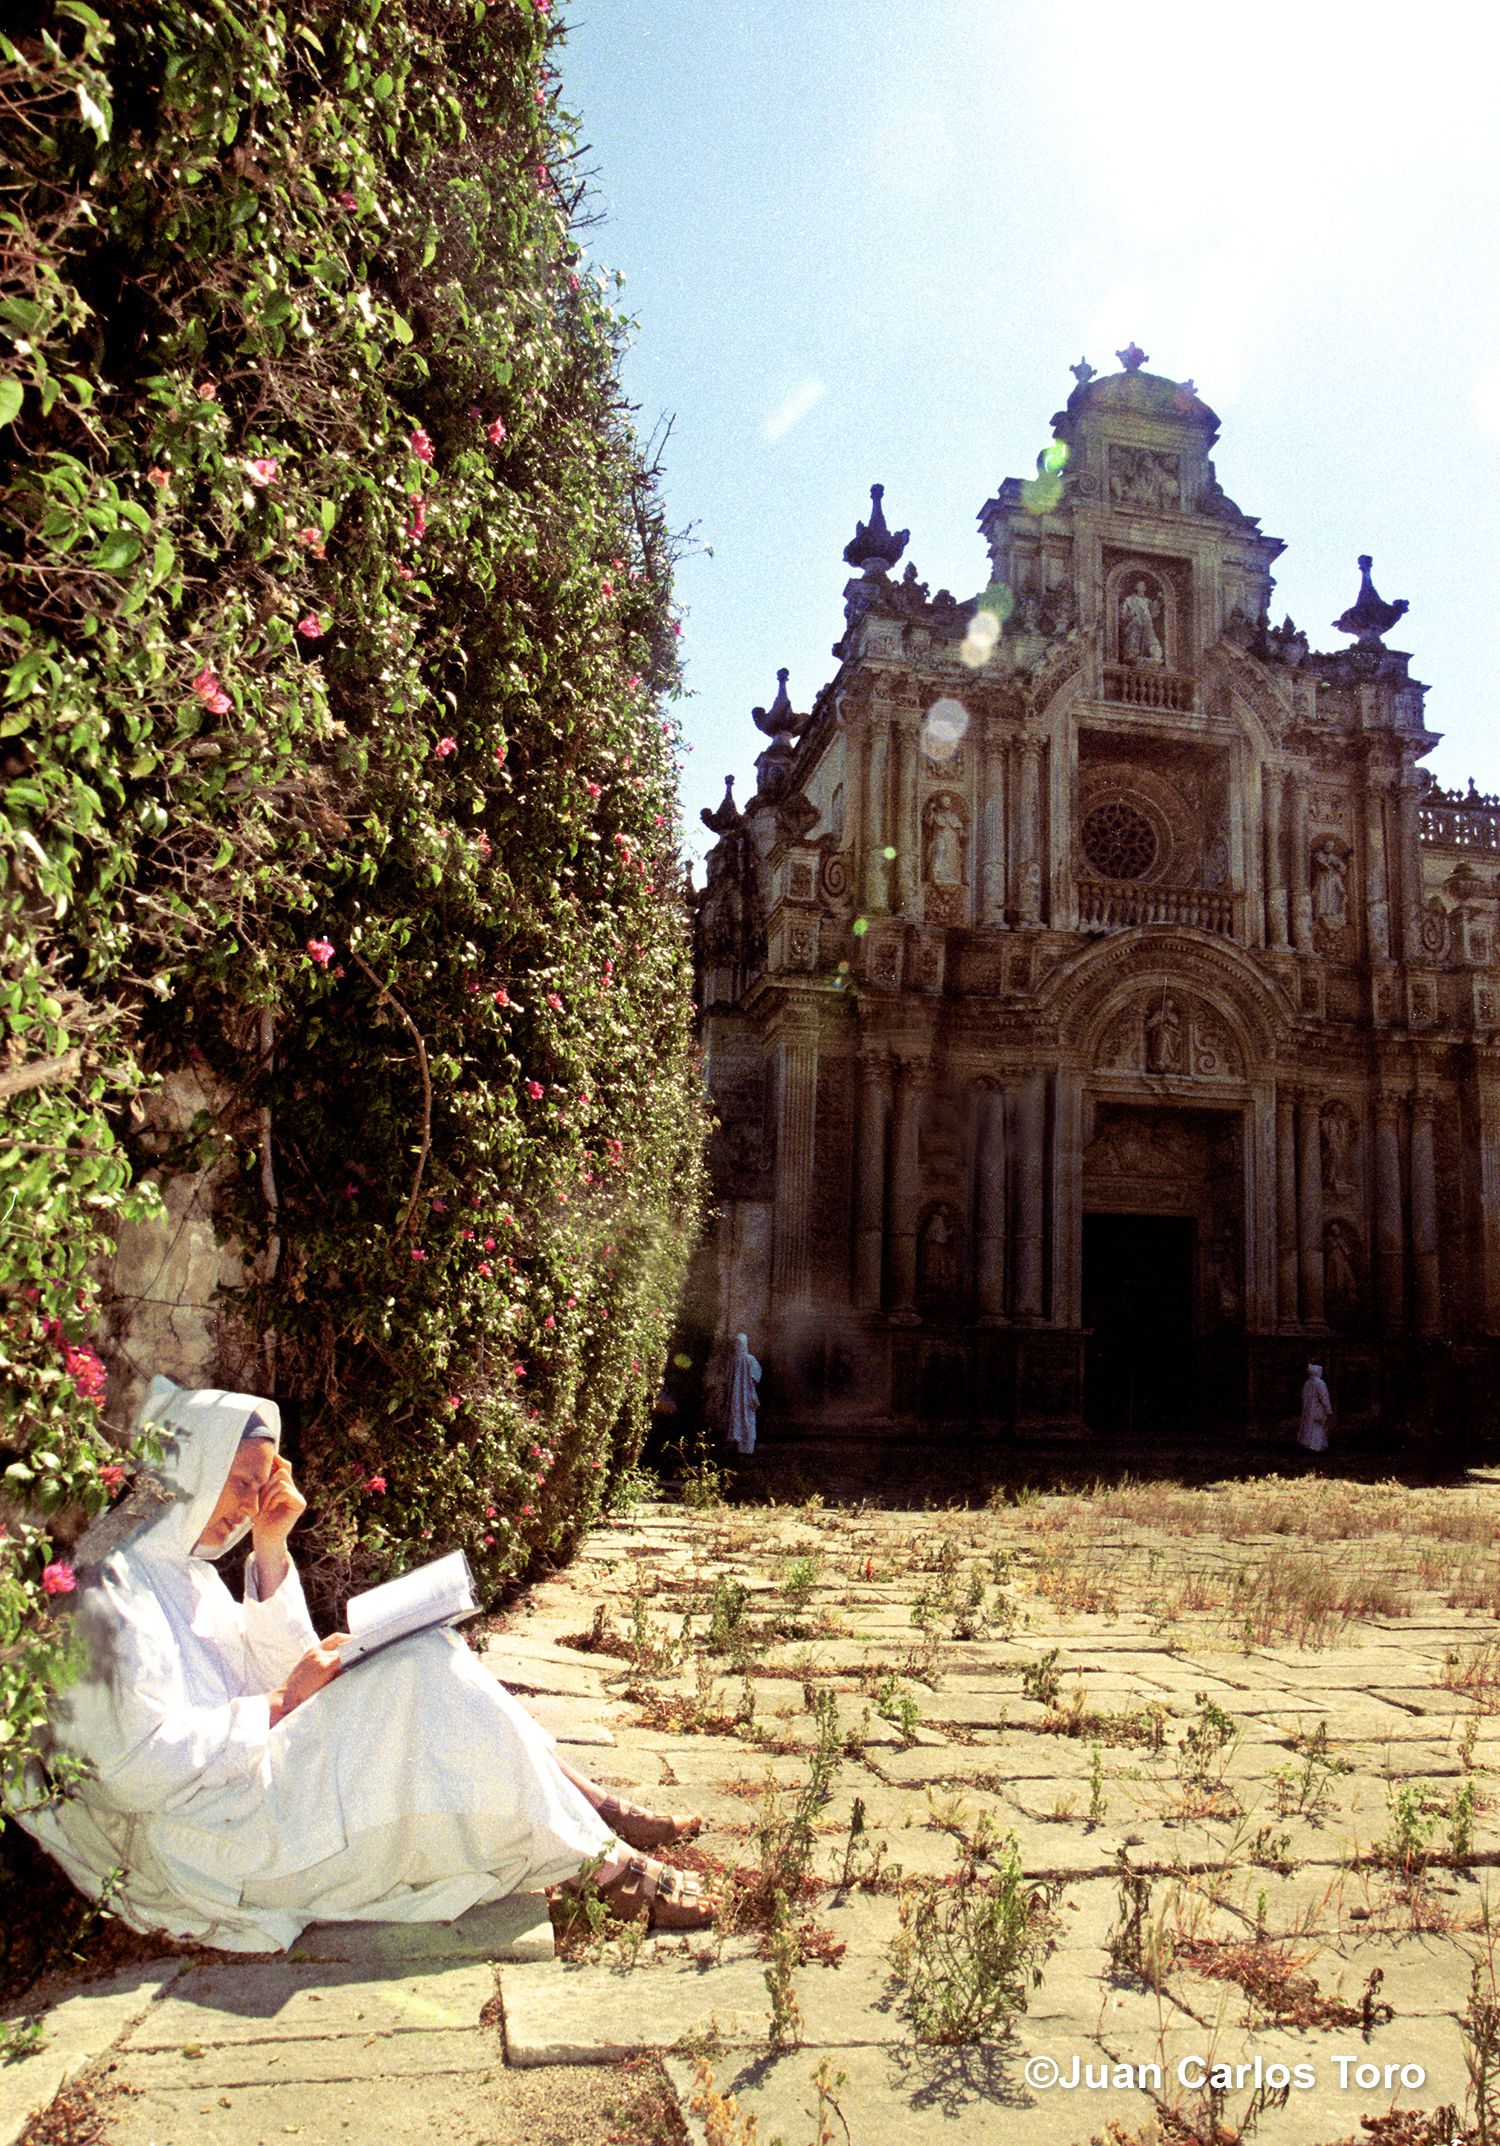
874, 546
1368, 616
1132, 357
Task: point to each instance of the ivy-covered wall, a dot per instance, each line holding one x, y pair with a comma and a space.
335, 635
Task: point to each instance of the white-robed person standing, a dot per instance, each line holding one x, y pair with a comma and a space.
1317, 1412
743, 1402
245, 1788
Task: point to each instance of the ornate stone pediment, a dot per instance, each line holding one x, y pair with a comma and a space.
1171, 1034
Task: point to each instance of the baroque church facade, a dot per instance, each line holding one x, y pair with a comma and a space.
1099, 1000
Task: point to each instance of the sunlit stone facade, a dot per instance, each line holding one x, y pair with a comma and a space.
1099, 1000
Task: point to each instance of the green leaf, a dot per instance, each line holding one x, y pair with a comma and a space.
94, 114
382, 86
401, 328
117, 552
12, 395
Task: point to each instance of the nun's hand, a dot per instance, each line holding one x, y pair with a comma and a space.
319, 1666
281, 1507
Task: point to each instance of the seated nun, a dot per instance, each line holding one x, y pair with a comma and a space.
244, 1788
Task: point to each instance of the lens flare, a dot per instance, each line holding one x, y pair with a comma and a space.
889, 853
943, 728
981, 640
860, 926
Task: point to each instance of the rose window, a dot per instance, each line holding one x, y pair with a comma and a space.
1119, 841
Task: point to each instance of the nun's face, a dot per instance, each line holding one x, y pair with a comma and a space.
239, 1500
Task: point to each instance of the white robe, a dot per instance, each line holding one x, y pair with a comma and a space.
1317, 1408
743, 1400
409, 1789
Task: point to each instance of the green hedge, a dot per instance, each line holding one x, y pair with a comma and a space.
336, 634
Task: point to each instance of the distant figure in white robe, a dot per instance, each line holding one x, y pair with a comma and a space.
244, 1786
1317, 1412
743, 1402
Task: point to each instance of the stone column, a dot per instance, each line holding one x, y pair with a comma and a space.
1406, 869
1377, 886
989, 1207
908, 823
1487, 1084
1276, 932
796, 1109
1310, 1209
1424, 1218
1030, 1180
856, 753
875, 891
906, 1192
991, 831
1286, 1210
1029, 860
869, 1189
1064, 1220
1390, 1233
1300, 887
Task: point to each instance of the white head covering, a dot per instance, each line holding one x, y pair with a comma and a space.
180, 1493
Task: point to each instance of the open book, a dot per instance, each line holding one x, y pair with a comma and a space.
437, 1594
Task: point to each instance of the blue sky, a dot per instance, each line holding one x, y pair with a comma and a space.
864, 240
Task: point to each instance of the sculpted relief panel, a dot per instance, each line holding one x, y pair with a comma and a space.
1170, 1034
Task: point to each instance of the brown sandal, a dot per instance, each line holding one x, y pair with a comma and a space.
644, 1829
658, 1895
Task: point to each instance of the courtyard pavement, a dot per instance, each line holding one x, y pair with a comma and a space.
1244, 1741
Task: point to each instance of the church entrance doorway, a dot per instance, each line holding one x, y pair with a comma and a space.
1138, 1291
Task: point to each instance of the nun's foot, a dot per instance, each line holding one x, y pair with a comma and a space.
659, 1896
640, 1828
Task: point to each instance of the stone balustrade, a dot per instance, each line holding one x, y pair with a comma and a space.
1104, 903
1147, 686
1460, 826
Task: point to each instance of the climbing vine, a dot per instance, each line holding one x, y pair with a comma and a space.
335, 643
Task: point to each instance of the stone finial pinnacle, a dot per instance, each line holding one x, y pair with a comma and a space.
1368, 617
874, 546
1132, 357
1083, 372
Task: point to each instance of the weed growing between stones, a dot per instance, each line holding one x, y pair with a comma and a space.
1042, 1680
1138, 1947
970, 1950
1306, 1791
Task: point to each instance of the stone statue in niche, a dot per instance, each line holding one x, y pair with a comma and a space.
937, 1259
1164, 1038
1340, 1279
1330, 890
945, 844
1338, 1149
1139, 612
1223, 1278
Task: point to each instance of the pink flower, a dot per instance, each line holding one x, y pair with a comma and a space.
59, 1578
262, 469
455, 1400
445, 748
439, 1206
543, 7
471, 987
632, 684
210, 692
311, 539
417, 1252
549, 1320
593, 789
346, 200
416, 528
351, 1192
404, 573
485, 1269
421, 444
112, 1475
606, 588
158, 477
85, 1370
375, 1483
500, 752
495, 431
483, 844
468, 1233
535, 1090
540, 96
489, 1244
571, 1302
489, 1512
554, 1002
519, 1370
528, 1512
502, 996
320, 951
488, 1540
207, 392
311, 627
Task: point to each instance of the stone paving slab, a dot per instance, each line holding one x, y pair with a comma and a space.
79, 2026
274, 2000
218, 2067
515, 1929
459, 2108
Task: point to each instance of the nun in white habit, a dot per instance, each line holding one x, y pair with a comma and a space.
245, 1788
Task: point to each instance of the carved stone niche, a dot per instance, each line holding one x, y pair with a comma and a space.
1342, 1266
1339, 1136
797, 876
1146, 603
1169, 1034
940, 1255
